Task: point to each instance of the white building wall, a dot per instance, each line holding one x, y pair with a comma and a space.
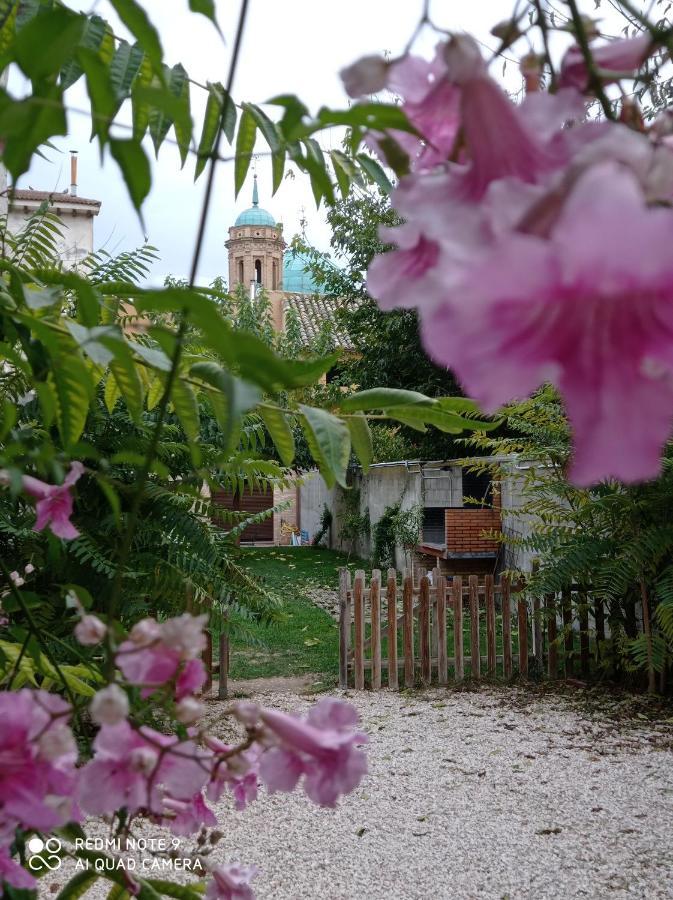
77, 226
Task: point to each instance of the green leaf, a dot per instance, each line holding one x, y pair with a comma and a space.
111, 393
27, 124
7, 7
245, 144
129, 383
135, 168
183, 125
375, 172
140, 103
280, 431
361, 438
329, 441
124, 68
431, 415
103, 99
186, 408
56, 33
136, 20
206, 8
169, 105
92, 37
345, 171
374, 116
73, 392
211, 125
382, 398
78, 885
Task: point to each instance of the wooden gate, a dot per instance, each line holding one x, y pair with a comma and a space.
435, 627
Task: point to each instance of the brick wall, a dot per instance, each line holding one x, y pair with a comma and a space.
464, 529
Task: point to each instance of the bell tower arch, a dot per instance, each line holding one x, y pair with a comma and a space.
256, 248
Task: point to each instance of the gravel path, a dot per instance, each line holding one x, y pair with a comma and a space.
501, 793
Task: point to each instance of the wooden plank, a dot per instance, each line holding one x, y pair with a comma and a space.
434, 597
522, 614
537, 633
567, 611
433, 660
475, 655
552, 635
223, 685
506, 599
490, 624
208, 664
599, 619
440, 618
376, 629
583, 615
391, 593
424, 630
457, 593
408, 630
344, 625
359, 605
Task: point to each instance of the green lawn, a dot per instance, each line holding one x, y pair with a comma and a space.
306, 640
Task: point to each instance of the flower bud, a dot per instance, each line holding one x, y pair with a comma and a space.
109, 706
188, 710
366, 76
90, 630
56, 742
143, 759
145, 632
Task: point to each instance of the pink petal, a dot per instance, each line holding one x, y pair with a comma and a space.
618, 57
280, 770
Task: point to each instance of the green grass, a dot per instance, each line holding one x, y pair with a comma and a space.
306, 639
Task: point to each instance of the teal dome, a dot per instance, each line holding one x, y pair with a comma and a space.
255, 215
297, 278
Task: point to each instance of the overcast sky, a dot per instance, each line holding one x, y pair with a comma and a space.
297, 46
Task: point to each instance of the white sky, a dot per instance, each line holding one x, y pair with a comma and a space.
297, 46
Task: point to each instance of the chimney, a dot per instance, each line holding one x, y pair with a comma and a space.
73, 172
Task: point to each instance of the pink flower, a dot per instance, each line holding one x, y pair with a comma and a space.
366, 76
613, 60
37, 760
590, 309
323, 749
189, 816
397, 276
140, 769
54, 502
189, 710
155, 654
90, 631
12, 873
231, 882
239, 773
109, 705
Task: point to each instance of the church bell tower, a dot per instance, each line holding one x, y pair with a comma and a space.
256, 248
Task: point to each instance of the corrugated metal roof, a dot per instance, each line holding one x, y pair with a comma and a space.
312, 311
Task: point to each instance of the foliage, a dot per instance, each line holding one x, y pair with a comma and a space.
325, 526
613, 538
353, 524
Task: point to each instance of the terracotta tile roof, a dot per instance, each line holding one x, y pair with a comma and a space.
312, 311
55, 196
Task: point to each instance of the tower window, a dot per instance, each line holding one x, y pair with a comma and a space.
274, 275
258, 271
240, 271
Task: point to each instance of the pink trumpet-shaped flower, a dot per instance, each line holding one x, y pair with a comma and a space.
54, 502
13, 873
589, 309
231, 882
323, 749
612, 60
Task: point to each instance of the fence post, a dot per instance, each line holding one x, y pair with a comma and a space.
391, 592
506, 600
223, 684
457, 592
552, 656
442, 661
208, 663
344, 626
599, 620
375, 608
567, 610
424, 629
583, 614
359, 607
522, 609
475, 649
408, 629
537, 633
491, 656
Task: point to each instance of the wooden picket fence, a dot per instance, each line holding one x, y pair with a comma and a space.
417, 631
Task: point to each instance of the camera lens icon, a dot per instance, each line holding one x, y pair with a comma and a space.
51, 848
